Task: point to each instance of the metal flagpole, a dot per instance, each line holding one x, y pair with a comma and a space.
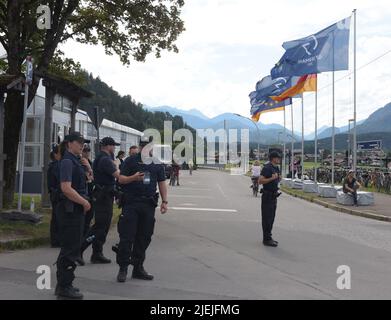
316, 132
333, 125
333, 136
355, 93
302, 137
293, 145
284, 158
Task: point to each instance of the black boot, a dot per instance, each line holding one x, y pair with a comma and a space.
57, 290
99, 258
122, 274
69, 292
140, 274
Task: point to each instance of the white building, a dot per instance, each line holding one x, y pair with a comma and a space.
61, 124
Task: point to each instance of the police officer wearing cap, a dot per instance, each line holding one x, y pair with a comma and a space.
71, 209
105, 175
140, 176
270, 179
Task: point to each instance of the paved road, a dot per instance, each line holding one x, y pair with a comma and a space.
209, 247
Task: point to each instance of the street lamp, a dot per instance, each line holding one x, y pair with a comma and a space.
259, 133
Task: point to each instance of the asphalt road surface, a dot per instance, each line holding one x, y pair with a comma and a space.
209, 247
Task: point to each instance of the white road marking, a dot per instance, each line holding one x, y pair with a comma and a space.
191, 189
203, 209
188, 196
222, 191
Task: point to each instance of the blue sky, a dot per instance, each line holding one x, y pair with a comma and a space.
230, 44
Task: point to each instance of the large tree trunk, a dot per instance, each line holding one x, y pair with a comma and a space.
12, 124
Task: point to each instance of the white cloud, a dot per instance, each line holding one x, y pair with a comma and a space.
230, 44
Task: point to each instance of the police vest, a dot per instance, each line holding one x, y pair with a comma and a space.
78, 174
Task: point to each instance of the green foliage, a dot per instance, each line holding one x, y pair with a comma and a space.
125, 110
67, 69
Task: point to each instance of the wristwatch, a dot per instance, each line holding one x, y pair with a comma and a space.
165, 202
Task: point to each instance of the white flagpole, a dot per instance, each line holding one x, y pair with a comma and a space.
355, 93
284, 157
316, 132
333, 136
293, 145
302, 137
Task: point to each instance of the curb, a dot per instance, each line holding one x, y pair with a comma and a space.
23, 244
338, 208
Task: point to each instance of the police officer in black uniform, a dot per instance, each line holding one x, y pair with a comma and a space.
139, 182
53, 182
105, 175
71, 209
270, 178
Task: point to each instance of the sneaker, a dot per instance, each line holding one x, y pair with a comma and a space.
270, 243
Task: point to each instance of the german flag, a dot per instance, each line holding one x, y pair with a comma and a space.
307, 83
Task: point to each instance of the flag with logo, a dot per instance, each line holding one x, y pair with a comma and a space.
327, 50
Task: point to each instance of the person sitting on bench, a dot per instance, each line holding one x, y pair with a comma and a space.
351, 185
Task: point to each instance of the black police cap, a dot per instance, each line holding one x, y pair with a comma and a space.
76, 136
274, 155
109, 141
144, 141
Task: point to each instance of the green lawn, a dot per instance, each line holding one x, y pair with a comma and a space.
27, 235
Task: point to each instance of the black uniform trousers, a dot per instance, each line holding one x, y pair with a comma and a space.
269, 207
103, 211
135, 227
54, 228
71, 226
88, 219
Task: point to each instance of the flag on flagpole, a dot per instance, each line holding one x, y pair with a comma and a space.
307, 83
327, 50
261, 105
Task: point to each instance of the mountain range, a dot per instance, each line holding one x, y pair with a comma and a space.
269, 133
378, 122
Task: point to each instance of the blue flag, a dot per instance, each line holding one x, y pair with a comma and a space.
327, 50
274, 87
262, 104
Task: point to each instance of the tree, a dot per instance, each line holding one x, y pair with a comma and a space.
131, 29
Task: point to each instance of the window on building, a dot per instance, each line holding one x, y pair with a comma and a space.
32, 158
33, 130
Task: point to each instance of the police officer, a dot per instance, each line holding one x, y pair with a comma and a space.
270, 178
105, 175
53, 182
71, 209
139, 182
